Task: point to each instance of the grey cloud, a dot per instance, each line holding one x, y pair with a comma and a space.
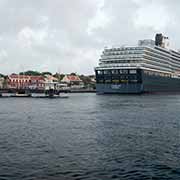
70, 34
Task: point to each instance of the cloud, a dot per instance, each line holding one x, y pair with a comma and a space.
70, 35
27, 36
100, 20
152, 15
3, 55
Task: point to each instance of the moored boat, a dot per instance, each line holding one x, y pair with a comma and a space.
149, 67
21, 93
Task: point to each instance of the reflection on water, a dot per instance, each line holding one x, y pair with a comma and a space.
90, 137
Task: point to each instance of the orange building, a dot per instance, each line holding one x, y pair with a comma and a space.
25, 82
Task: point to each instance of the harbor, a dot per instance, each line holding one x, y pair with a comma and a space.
89, 90
45, 85
20, 93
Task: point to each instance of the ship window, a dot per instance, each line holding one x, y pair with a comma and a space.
125, 71
99, 72
133, 77
115, 71
122, 77
100, 81
145, 72
107, 72
120, 71
132, 71
115, 81
107, 80
133, 81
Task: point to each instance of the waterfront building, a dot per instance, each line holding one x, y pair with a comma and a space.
25, 82
73, 81
51, 82
1, 82
37, 82
149, 67
50, 79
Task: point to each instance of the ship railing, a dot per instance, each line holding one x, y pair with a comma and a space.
121, 64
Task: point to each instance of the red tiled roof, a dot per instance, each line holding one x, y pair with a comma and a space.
26, 77
19, 76
73, 78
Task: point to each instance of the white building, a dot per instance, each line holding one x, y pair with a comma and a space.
1, 82
73, 81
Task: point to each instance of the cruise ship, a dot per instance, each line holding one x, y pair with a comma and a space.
151, 66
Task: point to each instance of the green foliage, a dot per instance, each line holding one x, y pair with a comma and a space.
46, 73
59, 76
30, 73
73, 74
85, 79
2, 75
35, 73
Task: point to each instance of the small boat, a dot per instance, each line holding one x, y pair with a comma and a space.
51, 97
21, 94
51, 93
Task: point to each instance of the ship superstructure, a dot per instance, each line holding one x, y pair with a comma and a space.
150, 66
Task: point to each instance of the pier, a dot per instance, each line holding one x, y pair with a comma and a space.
38, 91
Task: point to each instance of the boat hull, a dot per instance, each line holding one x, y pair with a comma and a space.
152, 83
119, 88
148, 84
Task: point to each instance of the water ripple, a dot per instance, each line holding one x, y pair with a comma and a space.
90, 137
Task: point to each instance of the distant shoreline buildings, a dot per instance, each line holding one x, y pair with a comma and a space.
41, 81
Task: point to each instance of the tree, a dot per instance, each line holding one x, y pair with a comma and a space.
2, 75
73, 74
59, 76
86, 80
30, 73
46, 73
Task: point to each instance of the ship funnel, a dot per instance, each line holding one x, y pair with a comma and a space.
162, 41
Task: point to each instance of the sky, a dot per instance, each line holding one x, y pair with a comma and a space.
67, 36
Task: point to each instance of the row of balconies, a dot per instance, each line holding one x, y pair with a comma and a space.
136, 65
123, 48
103, 57
151, 59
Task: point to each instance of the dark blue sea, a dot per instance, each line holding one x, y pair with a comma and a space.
90, 137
